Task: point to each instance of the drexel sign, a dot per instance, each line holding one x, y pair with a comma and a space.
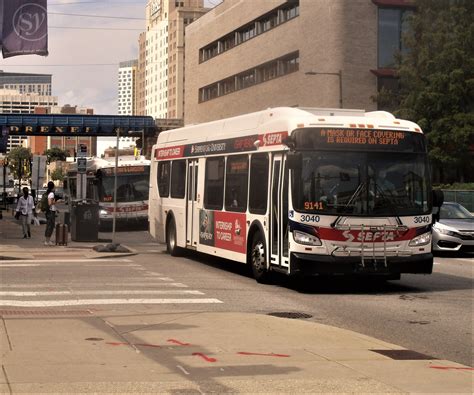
75, 125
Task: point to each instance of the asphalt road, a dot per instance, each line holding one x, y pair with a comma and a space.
428, 314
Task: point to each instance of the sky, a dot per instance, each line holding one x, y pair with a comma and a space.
84, 62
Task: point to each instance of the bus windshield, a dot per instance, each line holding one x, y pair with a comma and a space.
130, 187
362, 183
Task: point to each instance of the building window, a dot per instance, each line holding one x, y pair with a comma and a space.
265, 72
246, 79
392, 24
279, 15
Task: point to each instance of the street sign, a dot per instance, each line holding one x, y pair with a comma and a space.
82, 151
81, 165
38, 171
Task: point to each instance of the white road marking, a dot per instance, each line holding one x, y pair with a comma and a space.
21, 265
134, 292
93, 284
54, 260
88, 302
182, 369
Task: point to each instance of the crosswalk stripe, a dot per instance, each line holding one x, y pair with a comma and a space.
121, 292
94, 284
54, 260
86, 302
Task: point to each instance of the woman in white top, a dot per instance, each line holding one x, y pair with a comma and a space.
25, 209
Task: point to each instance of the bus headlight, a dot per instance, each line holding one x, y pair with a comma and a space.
306, 239
421, 240
102, 212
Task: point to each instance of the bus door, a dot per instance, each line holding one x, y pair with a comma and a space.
279, 213
192, 211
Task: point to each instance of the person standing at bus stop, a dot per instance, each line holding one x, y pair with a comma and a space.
25, 209
50, 214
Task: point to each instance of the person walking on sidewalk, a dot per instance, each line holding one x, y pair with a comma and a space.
25, 209
50, 214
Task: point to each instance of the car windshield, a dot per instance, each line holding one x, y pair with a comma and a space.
454, 211
362, 183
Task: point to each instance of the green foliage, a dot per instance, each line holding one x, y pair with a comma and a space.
57, 174
458, 186
55, 153
17, 156
437, 81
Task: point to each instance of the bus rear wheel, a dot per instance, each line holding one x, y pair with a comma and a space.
258, 259
171, 241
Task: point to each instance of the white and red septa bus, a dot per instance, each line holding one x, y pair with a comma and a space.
133, 177
298, 191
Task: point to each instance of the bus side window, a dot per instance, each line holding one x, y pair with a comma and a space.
258, 196
237, 179
214, 184
164, 178
178, 179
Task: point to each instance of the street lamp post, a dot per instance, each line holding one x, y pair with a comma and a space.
339, 74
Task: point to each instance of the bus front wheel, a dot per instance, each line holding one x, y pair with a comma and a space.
258, 259
171, 243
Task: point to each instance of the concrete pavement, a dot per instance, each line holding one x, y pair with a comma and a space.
140, 350
13, 246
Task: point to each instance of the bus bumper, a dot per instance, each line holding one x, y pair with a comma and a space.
310, 264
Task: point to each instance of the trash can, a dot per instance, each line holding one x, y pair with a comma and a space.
84, 220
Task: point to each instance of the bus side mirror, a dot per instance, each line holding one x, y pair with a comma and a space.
294, 160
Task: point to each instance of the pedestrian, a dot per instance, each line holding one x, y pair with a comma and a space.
25, 209
50, 214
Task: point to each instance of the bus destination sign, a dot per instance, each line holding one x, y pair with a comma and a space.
364, 139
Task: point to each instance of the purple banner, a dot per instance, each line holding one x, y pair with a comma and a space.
25, 28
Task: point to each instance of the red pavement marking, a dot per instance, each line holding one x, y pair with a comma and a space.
205, 357
126, 344
449, 368
265, 355
116, 344
178, 342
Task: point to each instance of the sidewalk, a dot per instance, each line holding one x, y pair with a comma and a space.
199, 353
13, 246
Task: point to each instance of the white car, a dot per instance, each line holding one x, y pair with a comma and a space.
455, 229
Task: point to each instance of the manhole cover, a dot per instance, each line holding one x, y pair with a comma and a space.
294, 315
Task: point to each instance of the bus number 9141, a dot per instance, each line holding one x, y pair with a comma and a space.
313, 206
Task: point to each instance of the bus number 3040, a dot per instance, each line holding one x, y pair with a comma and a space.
310, 218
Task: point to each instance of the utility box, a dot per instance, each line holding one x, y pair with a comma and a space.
84, 220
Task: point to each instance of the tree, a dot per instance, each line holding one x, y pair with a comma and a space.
437, 83
55, 153
19, 160
57, 174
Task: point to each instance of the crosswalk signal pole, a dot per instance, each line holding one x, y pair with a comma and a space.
115, 186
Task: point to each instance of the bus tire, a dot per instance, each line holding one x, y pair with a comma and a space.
171, 240
258, 255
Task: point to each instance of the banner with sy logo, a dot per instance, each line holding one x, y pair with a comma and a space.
24, 27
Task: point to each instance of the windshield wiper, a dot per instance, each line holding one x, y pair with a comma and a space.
354, 196
389, 201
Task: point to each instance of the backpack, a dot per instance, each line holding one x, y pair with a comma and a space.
43, 204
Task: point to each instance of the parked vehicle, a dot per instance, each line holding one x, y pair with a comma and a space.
455, 229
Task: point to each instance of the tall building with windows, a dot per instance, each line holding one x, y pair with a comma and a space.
164, 50
246, 56
127, 79
26, 83
141, 69
14, 102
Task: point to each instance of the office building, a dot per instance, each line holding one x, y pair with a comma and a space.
127, 78
245, 56
26, 83
164, 50
14, 102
